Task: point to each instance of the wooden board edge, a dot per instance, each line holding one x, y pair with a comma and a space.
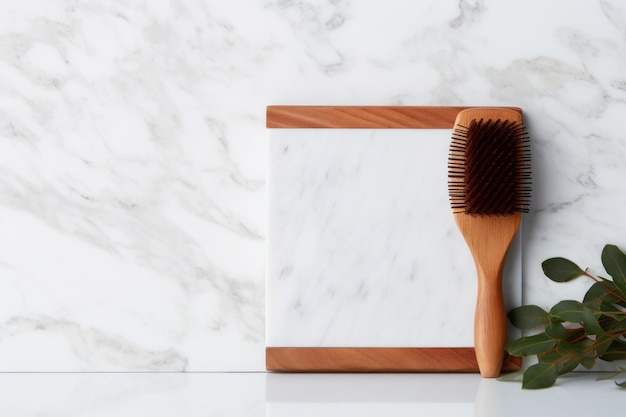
366, 117
349, 359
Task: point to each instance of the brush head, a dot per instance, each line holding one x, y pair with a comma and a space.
489, 166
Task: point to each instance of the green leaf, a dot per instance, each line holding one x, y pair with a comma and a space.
564, 359
556, 331
551, 356
570, 365
594, 292
528, 317
614, 261
561, 269
617, 316
511, 376
602, 296
621, 384
568, 310
615, 326
588, 362
590, 321
602, 291
540, 375
602, 344
615, 352
574, 348
531, 345
579, 352
575, 334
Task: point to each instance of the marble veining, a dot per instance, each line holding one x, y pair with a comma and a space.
127, 239
132, 153
362, 248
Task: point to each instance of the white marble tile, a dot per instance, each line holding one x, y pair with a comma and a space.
132, 145
362, 247
131, 210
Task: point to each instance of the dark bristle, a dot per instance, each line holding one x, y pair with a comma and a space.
489, 168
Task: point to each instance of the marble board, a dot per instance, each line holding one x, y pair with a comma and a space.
366, 269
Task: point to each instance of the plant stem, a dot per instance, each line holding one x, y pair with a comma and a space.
599, 282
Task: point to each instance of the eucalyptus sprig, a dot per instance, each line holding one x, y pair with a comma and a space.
575, 333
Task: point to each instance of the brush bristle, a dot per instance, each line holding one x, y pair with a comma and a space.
489, 168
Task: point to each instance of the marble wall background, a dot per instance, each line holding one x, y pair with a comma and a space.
132, 153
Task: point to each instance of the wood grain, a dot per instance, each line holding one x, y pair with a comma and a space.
364, 117
350, 359
489, 238
326, 359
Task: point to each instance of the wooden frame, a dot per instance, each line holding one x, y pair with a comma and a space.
364, 117
369, 359
327, 359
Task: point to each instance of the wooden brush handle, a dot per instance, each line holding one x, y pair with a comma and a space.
487, 191
489, 238
490, 323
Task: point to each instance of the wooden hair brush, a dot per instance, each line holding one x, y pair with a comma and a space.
489, 185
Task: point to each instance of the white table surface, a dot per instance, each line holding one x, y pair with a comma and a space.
272, 395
